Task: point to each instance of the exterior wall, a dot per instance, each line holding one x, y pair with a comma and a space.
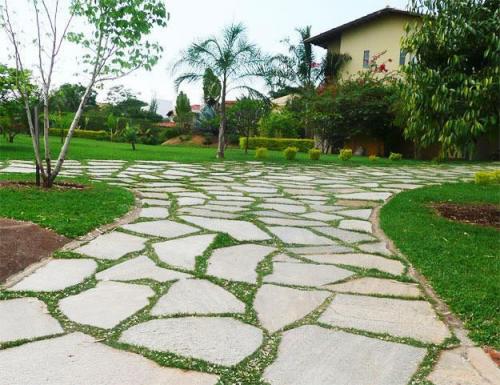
384, 33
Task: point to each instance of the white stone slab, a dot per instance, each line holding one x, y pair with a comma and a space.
239, 230
278, 306
305, 274
165, 229
77, 359
360, 213
154, 212
366, 196
197, 296
332, 249
190, 201
289, 209
223, 341
106, 305
139, 268
182, 252
299, 236
291, 222
112, 246
322, 216
400, 318
366, 261
315, 356
369, 285
56, 275
356, 225
238, 263
203, 212
345, 235
375, 247
26, 318
155, 202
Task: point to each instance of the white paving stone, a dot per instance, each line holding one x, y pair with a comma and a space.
360, 213
197, 296
369, 285
165, 229
182, 252
308, 250
77, 359
375, 247
190, 201
56, 275
288, 209
367, 261
25, 318
154, 212
139, 268
345, 235
366, 196
400, 318
238, 263
299, 236
291, 222
106, 305
239, 230
278, 306
356, 225
315, 356
223, 341
322, 216
305, 274
112, 246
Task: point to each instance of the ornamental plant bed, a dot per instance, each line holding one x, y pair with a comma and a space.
482, 215
24, 243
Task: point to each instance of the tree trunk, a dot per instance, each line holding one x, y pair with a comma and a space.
223, 121
133, 146
246, 143
47, 181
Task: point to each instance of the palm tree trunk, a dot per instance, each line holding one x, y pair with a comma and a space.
223, 121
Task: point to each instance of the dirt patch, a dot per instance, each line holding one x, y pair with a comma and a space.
57, 186
482, 215
195, 140
24, 243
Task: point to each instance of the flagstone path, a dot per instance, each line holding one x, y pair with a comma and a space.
234, 273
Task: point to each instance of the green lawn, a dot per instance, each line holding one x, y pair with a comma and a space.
461, 261
90, 149
68, 212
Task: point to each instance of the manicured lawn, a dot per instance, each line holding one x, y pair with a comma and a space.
90, 149
69, 212
461, 261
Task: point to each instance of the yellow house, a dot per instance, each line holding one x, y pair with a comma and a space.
378, 33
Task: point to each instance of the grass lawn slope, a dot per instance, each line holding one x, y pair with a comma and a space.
69, 212
461, 261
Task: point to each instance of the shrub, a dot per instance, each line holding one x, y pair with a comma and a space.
85, 134
279, 124
395, 156
290, 153
314, 154
373, 158
345, 154
487, 177
261, 153
278, 144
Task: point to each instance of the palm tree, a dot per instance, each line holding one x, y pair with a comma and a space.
232, 58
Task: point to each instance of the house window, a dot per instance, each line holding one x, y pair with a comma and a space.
366, 59
402, 57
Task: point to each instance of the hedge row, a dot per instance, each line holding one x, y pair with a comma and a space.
278, 144
86, 134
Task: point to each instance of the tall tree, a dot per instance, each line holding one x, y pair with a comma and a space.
234, 61
183, 113
115, 40
68, 96
452, 90
211, 88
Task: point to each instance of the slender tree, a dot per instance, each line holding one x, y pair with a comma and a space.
115, 44
234, 61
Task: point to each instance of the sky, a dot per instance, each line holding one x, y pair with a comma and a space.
267, 21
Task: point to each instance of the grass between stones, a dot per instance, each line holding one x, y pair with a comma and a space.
70, 212
461, 261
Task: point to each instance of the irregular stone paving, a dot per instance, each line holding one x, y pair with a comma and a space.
233, 273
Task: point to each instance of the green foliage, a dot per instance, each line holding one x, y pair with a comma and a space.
85, 134
67, 98
290, 153
244, 116
314, 154
169, 133
183, 113
452, 91
395, 157
130, 135
207, 122
212, 88
373, 158
345, 154
261, 153
278, 144
487, 177
279, 124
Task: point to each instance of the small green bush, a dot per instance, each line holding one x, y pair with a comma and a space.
85, 134
277, 144
314, 153
345, 154
261, 153
487, 177
290, 153
394, 156
373, 158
